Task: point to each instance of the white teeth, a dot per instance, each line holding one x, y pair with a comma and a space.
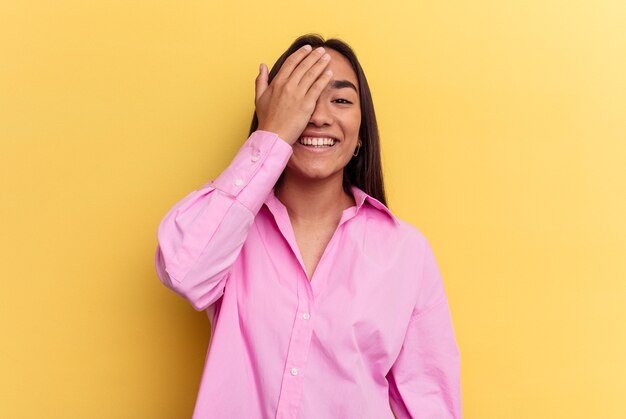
316, 142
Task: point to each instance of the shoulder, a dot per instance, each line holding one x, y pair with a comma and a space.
402, 251
398, 235
415, 241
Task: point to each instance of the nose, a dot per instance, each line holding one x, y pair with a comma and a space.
321, 115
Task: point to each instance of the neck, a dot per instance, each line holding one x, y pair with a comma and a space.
313, 201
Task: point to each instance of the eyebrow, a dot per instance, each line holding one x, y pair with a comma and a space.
340, 84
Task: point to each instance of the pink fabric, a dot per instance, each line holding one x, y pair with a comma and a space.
370, 332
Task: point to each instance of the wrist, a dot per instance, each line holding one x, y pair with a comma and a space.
280, 134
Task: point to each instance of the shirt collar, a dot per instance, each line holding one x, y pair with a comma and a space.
360, 197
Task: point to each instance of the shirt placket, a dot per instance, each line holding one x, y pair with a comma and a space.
300, 340
296, 363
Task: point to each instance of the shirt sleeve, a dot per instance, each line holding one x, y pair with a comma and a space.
424, 381
200, 237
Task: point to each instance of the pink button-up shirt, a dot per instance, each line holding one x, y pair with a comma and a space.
370, 332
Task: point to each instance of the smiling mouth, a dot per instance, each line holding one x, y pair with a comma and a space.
317, 142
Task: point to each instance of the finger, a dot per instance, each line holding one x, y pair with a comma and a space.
320, 84
291, 62
261, 82
305, 65
314, 72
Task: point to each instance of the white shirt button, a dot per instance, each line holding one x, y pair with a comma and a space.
306, 316
294, 371
239, 182
255, 157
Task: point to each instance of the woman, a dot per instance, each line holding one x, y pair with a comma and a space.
323, 303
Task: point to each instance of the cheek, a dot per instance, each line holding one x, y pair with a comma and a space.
353, 122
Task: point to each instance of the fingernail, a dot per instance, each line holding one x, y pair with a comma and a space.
308, 48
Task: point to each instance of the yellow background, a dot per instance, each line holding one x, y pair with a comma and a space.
503, 130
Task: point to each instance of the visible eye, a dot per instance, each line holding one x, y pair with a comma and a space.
346, 102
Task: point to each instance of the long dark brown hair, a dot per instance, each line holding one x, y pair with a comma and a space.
364, 170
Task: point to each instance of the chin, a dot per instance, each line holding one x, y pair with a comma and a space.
316, 175
310, 173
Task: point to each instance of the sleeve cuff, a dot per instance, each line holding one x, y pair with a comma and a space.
255, 169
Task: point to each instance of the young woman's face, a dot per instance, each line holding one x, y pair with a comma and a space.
337, 115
